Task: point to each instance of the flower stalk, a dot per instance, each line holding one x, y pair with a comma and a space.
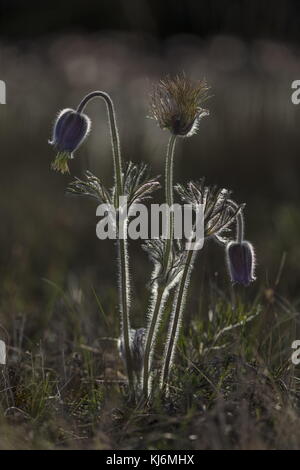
175, 105
169, 202
124, 281
158, 300
118, 173
240, 223
176, 316
160, 292
216, 220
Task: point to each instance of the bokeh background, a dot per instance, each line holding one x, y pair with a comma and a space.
64, 382
53, 53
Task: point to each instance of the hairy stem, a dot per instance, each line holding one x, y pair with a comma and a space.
160, 293
118, 174
124, 284
177, 311
240, 222
169, 202
158, 304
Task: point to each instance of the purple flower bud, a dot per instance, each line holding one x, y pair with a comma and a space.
241, 262
70, 129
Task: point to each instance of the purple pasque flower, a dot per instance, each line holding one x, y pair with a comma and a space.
69, 131
241, 262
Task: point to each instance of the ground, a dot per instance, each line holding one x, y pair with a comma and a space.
233, 385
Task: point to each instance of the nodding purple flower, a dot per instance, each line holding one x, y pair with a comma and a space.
241, 262
70, 130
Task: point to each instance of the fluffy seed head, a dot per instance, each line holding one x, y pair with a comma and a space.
176, 104
69, 131
241, 262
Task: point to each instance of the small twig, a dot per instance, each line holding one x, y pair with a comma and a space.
236, 325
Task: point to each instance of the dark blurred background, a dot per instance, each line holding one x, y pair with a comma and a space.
248, 20
52, 53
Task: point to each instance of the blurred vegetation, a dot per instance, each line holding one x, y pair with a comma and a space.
63, 385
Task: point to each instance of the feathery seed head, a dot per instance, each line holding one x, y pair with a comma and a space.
176, 104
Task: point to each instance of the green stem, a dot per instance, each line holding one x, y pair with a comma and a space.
178, 306
124, 285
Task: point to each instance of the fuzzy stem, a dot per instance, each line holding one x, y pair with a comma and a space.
161, 292
169, 202
114, 136
124, 285
124, 303
240, 227
158, 301
177, 310
240, 223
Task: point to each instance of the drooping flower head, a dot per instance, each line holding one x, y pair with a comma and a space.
176, 104
70, 130
241, 262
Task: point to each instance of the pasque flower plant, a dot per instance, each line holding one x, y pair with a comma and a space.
68, 134
177, 106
